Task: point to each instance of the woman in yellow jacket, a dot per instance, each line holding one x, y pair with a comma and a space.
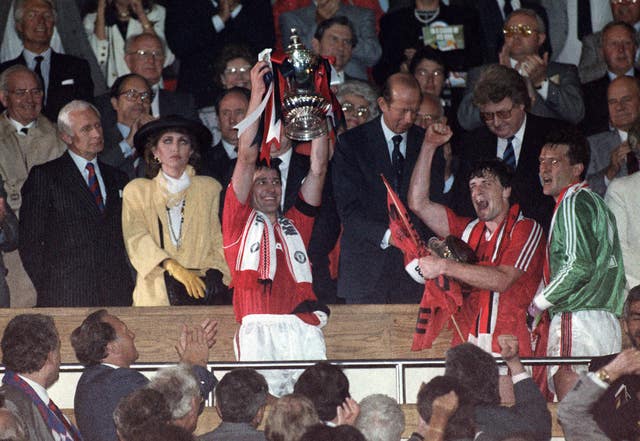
170, 222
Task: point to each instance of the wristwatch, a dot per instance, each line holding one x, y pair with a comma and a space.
603, 375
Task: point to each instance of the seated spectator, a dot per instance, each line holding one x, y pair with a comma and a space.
112, 22
181, 390
328, 389
444, 411
198, 33
218, 160
380, 419
592, 60
579, 409
401, 34
106, 347
231, 70
611, 154
68, 37
289, 418
359, 102
158, 243
554, 88
241, 397
31, 355
335, 38
367, 50
619, 47
477, 372
130, 99
64, 77
623, 199
140, 408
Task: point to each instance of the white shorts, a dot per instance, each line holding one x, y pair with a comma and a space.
582, 334
279, 337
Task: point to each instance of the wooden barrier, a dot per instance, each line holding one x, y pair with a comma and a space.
368, 332
209, 420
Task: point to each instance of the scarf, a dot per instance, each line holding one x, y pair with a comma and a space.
258, 248
58, 429
172, 190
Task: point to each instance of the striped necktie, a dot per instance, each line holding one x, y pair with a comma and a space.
94, 187
509, 156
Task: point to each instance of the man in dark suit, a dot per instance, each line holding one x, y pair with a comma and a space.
65, 77
130, 101
106, 347
371, 268
619, 48
510, 133
144, 55
70, 222
231, 108
197, 34
31, 355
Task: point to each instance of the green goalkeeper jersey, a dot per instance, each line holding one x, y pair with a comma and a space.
585, 260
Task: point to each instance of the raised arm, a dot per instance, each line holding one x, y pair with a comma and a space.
434, 215
242, 177
311, 188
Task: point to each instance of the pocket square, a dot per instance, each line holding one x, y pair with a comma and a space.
555, 79
120, 193
68, 82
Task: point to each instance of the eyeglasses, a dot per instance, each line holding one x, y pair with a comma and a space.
148, 54
20, 93
519, 29
360, 112
132, 95
237, 70
501, 114
620, 2
432, 75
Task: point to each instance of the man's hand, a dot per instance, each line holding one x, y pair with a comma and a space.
444, 406
348, 412
436, 135
431, 266
192, 346
618, 159
258, 86
139, 122
327, 8
626, 362
509, 352
504, 57
210, 328
535, 68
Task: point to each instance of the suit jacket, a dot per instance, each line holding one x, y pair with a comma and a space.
623, 200
400, 30
194, 40
74, 254
23, 407
72, 36
596, 117
564, 97
170, 103
20, 153
98, 392
8, 242
101, 388
217, 164
233, 432
366, 53
481, 144
592, 65
69, 79
601, 146
368, 273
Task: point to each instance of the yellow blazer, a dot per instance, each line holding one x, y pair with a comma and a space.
201, 248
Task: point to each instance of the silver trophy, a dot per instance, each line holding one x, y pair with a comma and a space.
304, 110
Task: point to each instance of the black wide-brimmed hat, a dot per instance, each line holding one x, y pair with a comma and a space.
162, 124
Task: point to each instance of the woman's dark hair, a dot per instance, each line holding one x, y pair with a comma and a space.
153, 166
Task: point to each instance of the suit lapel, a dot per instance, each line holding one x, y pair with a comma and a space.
75, 183
376, 143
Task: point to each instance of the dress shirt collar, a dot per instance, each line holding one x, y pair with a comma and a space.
38, 389
231, 149
81, 163
29, 57
389, 134
623, 135
124, 130
19, 126
630, 73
